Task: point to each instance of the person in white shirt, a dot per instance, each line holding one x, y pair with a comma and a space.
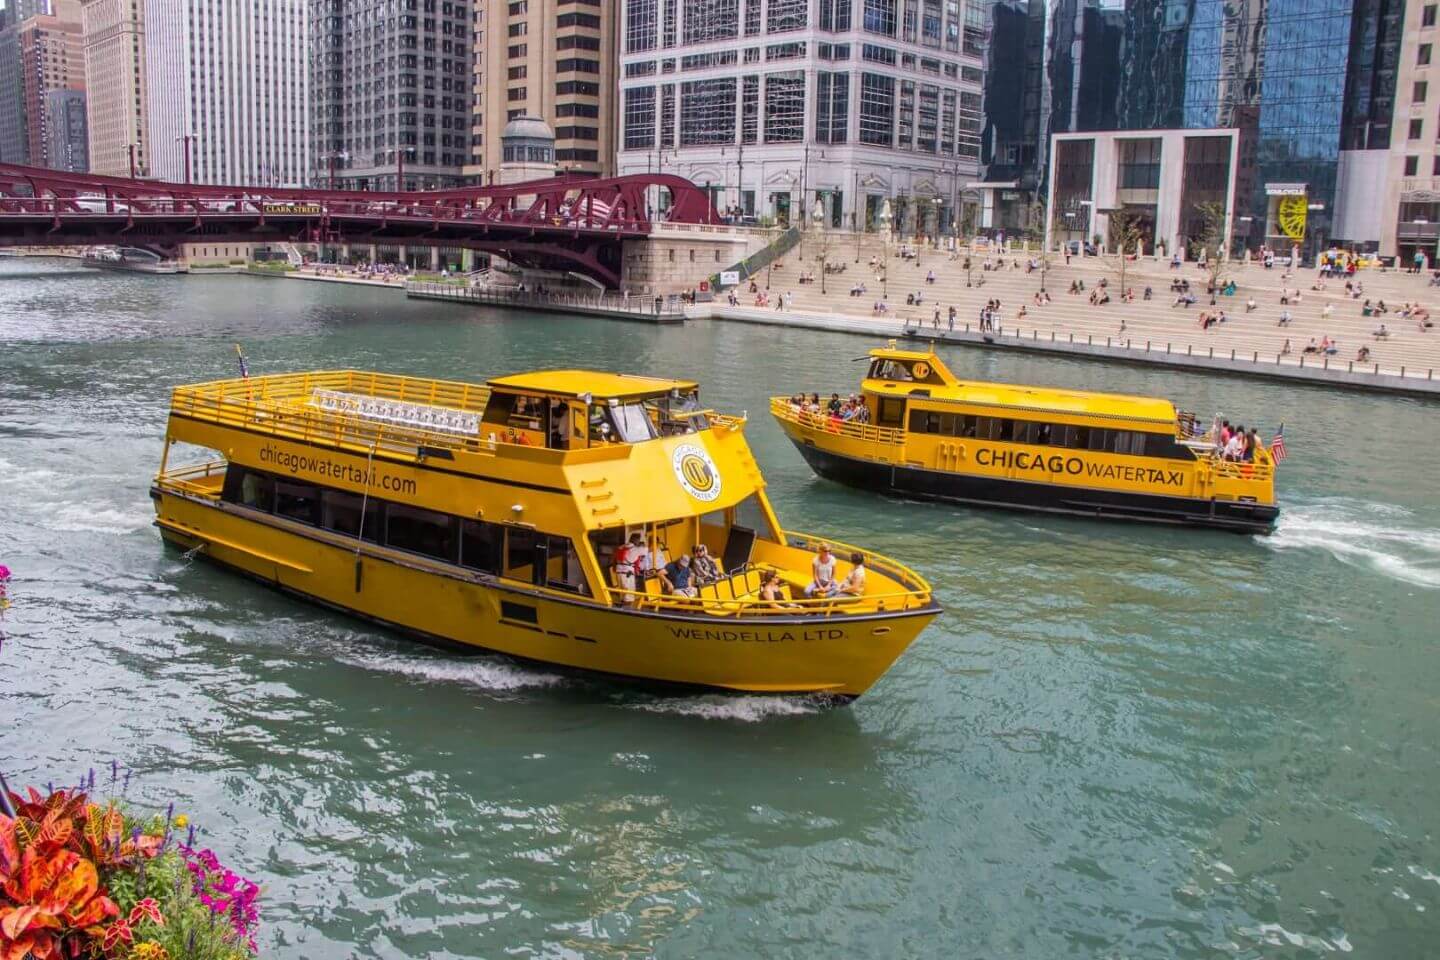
822, 568
1235, 447
630, 559
854, 584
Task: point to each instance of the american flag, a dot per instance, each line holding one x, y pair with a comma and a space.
244, 368
1277, 446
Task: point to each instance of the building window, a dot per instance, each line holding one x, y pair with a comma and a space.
1427, 15
877, 109
1418, 94
640, 17
1435, 167
783, 16
667, 115
750, 110
1417, 129
707, 112
835, 15
1139, 165
880, 17
831, 106
518, 73
785, 107
707, 20
1412, 166
1422, 56
640, 118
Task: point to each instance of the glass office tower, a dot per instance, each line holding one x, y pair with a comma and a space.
1299, 79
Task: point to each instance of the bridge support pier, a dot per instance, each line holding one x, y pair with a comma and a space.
374, 254
434, 259
344, 253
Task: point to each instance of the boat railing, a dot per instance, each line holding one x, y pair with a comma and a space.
783, 409
287, 405
1262, 470
738, 593
188, 478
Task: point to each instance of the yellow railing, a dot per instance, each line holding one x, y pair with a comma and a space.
1259, 470
782, 409
744, 589
187, 479
281, 405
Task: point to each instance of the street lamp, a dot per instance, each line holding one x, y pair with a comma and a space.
331, 157
886, 216
400, 167
817, 217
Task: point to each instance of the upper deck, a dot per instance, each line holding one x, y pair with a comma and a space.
598, 440
897, 372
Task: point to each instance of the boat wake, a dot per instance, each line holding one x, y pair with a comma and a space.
747, 709
1367, 535
491, 674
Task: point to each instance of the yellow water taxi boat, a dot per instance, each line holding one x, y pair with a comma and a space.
923, 432
534, 516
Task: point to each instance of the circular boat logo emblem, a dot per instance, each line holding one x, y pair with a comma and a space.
921, 370
696, 472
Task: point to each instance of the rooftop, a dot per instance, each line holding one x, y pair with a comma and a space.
597, 383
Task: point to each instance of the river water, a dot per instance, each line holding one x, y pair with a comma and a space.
1118, 741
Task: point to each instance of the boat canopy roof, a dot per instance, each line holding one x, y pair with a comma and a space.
912, 371
599, 384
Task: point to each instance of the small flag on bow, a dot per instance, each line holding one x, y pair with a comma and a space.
1277, 446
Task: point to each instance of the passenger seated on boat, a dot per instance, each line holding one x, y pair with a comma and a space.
823, 570
703, 567
771, 589
854, 584
677, 577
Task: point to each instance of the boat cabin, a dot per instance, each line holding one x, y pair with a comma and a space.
577, 409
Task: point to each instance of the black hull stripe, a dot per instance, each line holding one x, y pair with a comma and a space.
1043, 497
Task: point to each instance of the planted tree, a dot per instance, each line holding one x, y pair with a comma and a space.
1211, 238
1125, 234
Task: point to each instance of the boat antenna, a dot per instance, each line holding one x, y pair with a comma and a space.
244, 367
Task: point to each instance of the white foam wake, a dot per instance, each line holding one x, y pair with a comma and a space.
747, 709
1365, 535
483, 673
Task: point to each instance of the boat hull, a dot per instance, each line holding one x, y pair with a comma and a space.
835, 656
912, 481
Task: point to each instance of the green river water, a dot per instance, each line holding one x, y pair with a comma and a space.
1119, 741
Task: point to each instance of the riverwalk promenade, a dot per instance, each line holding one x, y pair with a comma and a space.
1250, 341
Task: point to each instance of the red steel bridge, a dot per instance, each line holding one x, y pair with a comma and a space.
560, 223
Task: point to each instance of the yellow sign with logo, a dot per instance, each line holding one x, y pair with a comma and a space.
921, 370
1292, 212
696, 472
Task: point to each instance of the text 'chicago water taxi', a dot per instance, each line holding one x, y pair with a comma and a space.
495, 517
925, 433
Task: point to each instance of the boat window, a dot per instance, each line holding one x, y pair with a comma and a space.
1077, 438
296, 501
481, 545
340, 512
632, 423
1041, 434
602, 427
892, 412
890, 370
520, 553
1099, 439
1120, 441
420, 531
257, 490
1023, 431
748, 513
964, 425
562, 565
559, 432
931, 421
1003, 429
1137, 444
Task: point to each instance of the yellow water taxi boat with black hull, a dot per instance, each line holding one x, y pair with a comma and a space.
523, 517
925, 433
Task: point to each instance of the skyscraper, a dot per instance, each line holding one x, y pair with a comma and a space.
392, 83
1294, 83
228, 90
38, 55
114, 33
554, 59
779, 106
